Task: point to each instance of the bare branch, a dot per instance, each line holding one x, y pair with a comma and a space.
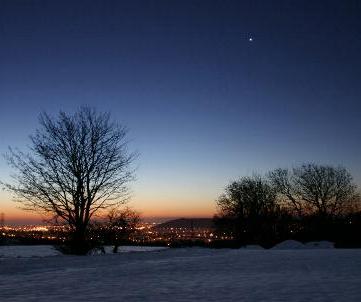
77, 164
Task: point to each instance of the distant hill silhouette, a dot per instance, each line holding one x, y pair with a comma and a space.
196, 223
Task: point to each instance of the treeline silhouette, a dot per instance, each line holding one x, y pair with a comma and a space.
310, 202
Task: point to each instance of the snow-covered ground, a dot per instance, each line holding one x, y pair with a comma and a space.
191, 274
18, 251
24, 251
296, 245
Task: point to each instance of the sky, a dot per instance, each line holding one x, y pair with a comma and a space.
210, 90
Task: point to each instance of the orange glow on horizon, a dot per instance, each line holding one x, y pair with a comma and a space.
160, 209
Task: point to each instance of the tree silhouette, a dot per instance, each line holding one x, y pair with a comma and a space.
77, 165
319, 189
120, 225
248, 205
282, 182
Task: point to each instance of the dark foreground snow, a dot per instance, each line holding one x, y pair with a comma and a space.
186, 275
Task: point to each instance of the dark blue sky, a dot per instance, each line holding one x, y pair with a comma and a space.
203, 103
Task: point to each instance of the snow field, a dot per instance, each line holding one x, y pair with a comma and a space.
25, 251
192, 274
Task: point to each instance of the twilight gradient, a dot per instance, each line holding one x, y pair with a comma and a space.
211, 90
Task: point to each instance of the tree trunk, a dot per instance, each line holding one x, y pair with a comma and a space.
79, 243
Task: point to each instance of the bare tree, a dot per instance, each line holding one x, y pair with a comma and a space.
283, 183
248, 203
326, 189
121, 224
312, 188
77, 165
